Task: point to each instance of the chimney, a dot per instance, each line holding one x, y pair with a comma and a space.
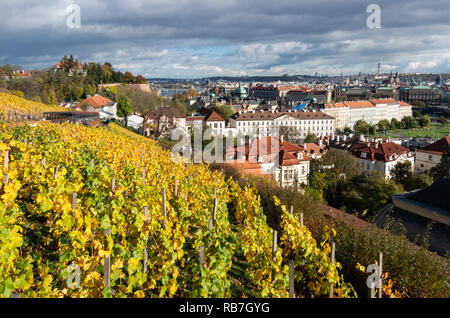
344, 137
281, 138
320, 142
361, 138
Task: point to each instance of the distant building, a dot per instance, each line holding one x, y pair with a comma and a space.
163, 122
240, 92
272, 92
265, 92
303, 123
385, 92
211, 119
79, 68
316, 150
372, 111
353, 93
381, 156
424, 94
341, 112
106, 107
299, 95
430, 156
361, 110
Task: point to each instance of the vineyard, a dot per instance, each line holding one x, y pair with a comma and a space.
101, 212
14, 108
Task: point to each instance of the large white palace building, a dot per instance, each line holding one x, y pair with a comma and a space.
263, 122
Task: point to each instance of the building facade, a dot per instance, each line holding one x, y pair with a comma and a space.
302, 123
381, 156
430, 156
271, 156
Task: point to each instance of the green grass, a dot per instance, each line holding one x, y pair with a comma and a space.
439, 131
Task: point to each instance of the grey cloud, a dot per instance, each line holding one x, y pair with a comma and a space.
288, 34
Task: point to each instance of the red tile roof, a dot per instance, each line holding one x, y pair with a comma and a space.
334, 105
214, 117
404, 104
95, 101
359, 104
269, 148
386, 151
438, 147
193, 118
383, 101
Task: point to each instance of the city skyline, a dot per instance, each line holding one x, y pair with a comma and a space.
195, 39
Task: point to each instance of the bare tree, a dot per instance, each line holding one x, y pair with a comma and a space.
163, 119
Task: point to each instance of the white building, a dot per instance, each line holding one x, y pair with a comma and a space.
340, 112
270, 156
431, 155
213, 121
371, 111
263, 122
361, 110
106, 107
381, 156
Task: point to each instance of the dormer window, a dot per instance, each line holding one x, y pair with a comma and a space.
363, 155
260, 159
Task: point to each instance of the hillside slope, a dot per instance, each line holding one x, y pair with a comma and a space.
13, 108
91, 212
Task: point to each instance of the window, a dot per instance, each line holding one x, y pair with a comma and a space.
430, 158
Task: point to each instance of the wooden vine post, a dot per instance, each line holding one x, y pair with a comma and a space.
164, 204
380, 273
333, 251
291, 269
107, 259
107, 265
146, 240
201, 254
291, 278
74, 202
6, 165
274, 244
176, 188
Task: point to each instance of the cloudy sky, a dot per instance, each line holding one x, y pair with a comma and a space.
199, 38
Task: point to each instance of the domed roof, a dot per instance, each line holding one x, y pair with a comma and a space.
241, 91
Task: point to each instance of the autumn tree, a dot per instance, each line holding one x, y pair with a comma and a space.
141, 80
124, 107
129, 78
311, 138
